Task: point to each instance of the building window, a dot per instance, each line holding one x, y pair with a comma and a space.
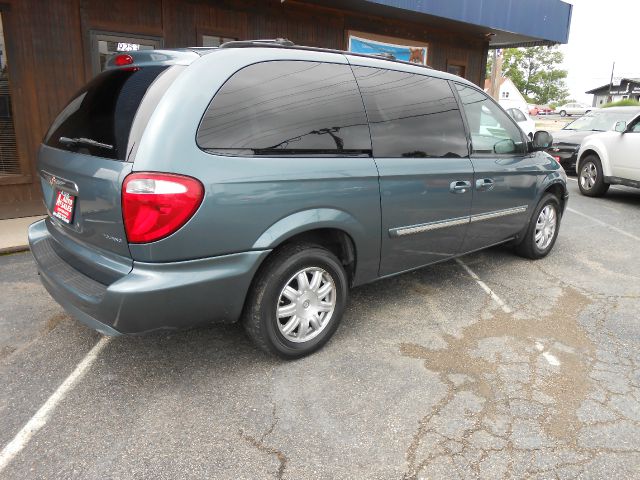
214, 40
9, 161
104, 45
456, 69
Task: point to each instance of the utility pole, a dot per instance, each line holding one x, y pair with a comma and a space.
611, 82
496, 74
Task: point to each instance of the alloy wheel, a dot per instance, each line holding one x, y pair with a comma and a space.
546, 227
306, 304
588, 176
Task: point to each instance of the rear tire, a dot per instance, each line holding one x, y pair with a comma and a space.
542, 230
289, 316
591, 178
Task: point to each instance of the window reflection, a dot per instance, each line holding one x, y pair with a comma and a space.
492, 131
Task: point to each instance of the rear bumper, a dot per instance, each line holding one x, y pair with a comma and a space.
152, 296
566, 158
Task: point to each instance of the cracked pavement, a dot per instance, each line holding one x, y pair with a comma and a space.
427, 377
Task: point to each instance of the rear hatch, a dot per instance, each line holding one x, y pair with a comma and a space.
85, 157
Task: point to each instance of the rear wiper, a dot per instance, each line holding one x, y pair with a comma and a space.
74, 142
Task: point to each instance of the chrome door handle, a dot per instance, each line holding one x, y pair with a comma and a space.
484, 184
460, 186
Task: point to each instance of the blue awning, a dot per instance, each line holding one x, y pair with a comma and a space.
507, 22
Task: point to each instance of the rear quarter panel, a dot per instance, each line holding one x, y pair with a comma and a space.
254, 203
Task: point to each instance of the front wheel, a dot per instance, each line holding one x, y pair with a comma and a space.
542, 230
563, 113
591, 178
297, 301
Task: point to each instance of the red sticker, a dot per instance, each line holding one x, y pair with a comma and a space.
63, 209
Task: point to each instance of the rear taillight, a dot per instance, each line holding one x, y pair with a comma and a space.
155, 205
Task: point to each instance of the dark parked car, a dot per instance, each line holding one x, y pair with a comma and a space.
259, 181
566, 142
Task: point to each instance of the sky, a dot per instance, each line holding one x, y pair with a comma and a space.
602, 31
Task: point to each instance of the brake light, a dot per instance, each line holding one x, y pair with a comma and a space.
155, 205
122, 60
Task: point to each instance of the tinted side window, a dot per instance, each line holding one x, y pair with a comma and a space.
287, 107
411, 115
492, 131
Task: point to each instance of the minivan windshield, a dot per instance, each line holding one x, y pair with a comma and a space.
97, 121
599, 120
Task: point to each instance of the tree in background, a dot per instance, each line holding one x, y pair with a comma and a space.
536, 73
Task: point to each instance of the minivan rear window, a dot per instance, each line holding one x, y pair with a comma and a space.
97, 121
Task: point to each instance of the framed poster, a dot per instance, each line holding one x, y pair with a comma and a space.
408, 53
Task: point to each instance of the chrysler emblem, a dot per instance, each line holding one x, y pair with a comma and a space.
52, 180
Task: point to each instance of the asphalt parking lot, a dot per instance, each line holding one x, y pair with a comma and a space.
429, 376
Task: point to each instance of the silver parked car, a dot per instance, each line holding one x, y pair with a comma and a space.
573, 109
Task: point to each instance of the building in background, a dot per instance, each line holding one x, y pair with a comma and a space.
508, 94
621, 89
50, 48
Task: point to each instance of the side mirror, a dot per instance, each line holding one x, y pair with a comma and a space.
505, 146
621, 127
542, 140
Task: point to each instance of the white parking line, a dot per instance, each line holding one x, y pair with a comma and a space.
41, 417
604, 224
491, 293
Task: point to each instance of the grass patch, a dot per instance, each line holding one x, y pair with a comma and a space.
622, 103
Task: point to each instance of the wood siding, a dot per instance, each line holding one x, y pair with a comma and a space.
49, 51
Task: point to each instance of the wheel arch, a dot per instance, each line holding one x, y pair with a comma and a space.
600, 153
335, 230
559, 190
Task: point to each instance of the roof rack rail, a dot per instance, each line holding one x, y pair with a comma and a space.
280, 42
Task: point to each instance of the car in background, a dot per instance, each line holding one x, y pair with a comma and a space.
523, 119
544, 109
610, 158
566, 142
573, 109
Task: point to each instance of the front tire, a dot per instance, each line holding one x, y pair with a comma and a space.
563, 113
542, 230
297, 301
591, 178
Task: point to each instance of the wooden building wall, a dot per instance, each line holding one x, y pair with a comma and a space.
49, 52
